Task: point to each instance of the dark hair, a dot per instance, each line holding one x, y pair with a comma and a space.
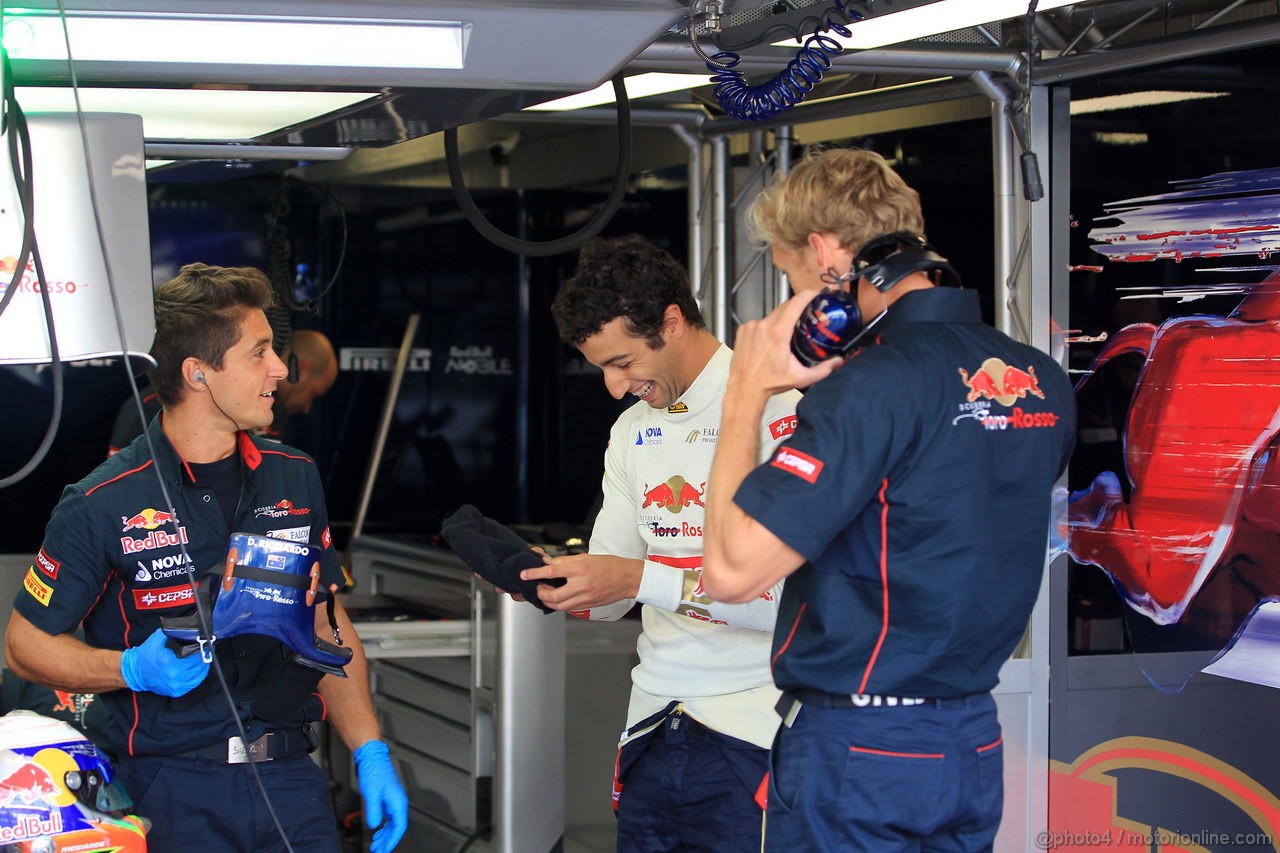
626, 277
198, 313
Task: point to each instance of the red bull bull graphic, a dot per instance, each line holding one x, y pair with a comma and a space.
674, 495
147, 519
1003, 383
29, 784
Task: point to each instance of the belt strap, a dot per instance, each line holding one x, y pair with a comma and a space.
789, 705
270, 747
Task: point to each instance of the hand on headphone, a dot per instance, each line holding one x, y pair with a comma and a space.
762, 357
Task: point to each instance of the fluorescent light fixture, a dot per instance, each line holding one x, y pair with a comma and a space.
880, 91
930, 19
205, 39
195, 114
637, 86
1120, 138
1133, 100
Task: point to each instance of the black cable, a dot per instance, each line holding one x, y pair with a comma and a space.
206, 630
342, 247
20, 166
15, 123
483, 832
564, 244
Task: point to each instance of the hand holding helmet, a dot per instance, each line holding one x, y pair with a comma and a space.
154, 668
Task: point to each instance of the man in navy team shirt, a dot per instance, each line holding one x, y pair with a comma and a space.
115, 559
909, 513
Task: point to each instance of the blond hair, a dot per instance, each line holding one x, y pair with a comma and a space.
849, 192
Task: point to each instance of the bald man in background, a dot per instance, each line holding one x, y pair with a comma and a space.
317, 371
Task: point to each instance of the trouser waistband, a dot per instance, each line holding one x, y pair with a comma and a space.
791, 701
270, 747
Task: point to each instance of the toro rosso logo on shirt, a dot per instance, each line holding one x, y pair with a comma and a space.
280, 509
1004, 384
803, 465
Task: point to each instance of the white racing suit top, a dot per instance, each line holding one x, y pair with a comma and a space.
711, 657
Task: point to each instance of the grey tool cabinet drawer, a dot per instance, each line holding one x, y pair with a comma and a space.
425, 732
404, 685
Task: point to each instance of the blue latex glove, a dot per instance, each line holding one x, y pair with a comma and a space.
153, 668
383, 794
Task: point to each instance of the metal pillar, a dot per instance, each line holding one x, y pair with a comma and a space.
783, 141
696, 178
717, 310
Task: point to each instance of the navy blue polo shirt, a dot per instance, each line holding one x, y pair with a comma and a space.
917, 486
112, 559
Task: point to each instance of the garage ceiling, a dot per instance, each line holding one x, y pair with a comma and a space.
525, 52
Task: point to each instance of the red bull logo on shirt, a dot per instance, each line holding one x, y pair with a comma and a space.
673, 495
147, 519
154, 539
995, 380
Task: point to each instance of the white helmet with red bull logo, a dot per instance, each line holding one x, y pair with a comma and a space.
59, 792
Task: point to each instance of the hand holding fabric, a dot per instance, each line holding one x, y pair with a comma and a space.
384, 796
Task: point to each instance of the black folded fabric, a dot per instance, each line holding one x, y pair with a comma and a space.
494, 552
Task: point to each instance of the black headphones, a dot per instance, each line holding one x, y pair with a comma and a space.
832, 323
888, 259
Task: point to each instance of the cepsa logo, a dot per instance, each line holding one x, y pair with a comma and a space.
783, 427
30, 282
803, 465
158, 599
47, 564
